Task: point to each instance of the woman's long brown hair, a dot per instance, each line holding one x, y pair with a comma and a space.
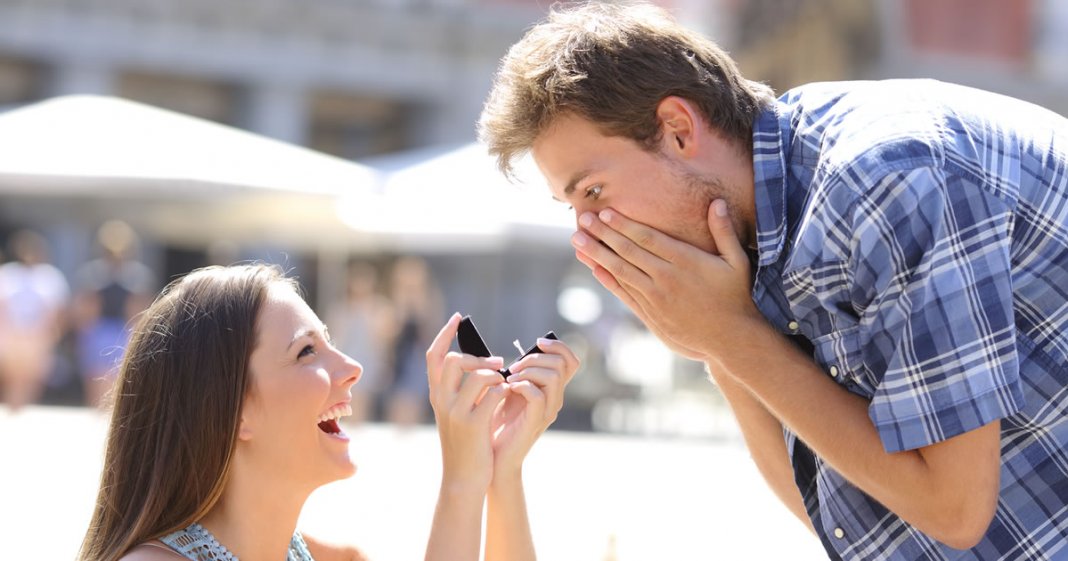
177, 407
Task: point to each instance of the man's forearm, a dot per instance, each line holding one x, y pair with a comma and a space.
939, 489
764, 437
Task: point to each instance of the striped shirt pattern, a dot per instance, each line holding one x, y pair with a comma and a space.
914, 236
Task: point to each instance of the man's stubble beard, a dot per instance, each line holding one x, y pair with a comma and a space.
702, 191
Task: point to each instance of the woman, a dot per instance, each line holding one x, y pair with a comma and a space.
225, 420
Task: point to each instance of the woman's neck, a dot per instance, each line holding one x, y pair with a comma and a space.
256, 516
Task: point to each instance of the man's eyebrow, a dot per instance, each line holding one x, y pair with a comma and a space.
574, 181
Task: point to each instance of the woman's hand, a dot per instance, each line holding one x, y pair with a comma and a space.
464, 393
535, 396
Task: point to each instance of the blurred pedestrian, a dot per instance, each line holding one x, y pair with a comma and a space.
226, 420
362, 326
33, 304
418, 308
110, 291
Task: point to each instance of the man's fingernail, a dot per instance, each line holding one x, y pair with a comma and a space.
580, 239
586, 219
721, 207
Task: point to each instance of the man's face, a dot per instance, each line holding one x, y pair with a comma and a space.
591, 171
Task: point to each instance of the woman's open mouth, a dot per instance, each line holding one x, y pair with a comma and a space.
328, 421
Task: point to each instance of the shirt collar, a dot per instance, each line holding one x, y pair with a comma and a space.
769, 181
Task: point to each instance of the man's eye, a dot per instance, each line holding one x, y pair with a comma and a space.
307, 350
593, 192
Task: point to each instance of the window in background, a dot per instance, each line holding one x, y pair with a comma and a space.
352, 126
990, 30
1052, 40
20, 81
209, 100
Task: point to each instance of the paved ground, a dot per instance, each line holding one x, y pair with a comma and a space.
648, 499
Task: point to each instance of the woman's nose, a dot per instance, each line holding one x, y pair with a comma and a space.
350, 370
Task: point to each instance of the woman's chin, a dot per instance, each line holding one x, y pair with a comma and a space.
344, 469
333, 474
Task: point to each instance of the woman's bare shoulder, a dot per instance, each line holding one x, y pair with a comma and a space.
151, 551
323, 550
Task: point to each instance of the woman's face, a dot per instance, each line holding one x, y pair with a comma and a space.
300, 388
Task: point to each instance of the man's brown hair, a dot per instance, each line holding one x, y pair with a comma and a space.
612, 64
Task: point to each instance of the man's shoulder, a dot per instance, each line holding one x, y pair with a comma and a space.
867, 129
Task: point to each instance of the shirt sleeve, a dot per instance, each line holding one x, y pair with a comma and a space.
931, 264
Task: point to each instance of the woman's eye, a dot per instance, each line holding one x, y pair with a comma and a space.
307, 350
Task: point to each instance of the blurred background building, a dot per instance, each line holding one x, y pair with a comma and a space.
392, 83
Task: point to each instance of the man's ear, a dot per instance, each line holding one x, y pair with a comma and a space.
680, 126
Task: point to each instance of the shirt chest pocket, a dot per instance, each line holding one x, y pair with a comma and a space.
841, 356
818, 296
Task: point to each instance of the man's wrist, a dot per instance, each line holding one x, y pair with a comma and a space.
745, 339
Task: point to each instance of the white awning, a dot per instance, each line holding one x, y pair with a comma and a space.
460, 198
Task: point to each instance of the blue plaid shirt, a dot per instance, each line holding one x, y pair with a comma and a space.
914, 236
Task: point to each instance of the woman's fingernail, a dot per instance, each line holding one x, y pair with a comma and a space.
545, 343
586, 219
580, 239
605, 215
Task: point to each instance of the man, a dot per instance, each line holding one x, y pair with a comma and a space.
874, 273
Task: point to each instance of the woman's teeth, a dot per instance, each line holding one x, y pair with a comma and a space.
328, 420
336, 412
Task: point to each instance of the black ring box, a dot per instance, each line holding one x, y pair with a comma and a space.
471, 343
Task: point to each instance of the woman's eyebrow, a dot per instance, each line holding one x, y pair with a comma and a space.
310, 332
299, 336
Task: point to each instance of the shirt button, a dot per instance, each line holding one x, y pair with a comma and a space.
834, 372
838, 533
793, 326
